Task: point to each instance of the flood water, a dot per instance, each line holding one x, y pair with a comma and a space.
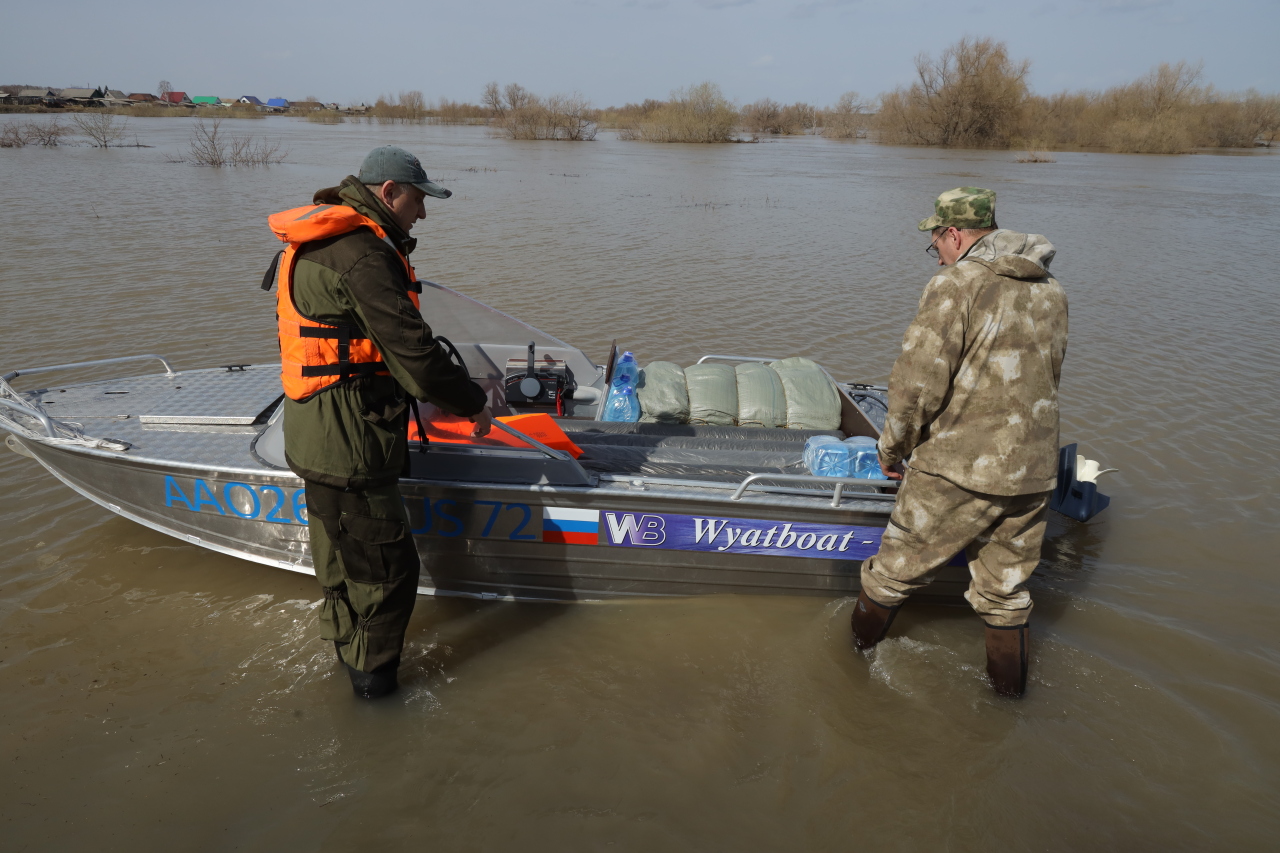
154, 695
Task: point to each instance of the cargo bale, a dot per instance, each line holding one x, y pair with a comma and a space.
713, 394
812, 401
664, 399
762, 401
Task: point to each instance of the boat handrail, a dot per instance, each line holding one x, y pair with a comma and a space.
838, 482
168, 368
44, 419
736, 358
558, 455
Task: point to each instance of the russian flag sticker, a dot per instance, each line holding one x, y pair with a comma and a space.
570, 526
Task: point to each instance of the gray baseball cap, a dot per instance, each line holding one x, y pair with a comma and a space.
390, 163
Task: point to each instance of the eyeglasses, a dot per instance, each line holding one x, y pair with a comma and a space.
932, 249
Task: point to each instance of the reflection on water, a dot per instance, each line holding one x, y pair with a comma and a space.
157, 694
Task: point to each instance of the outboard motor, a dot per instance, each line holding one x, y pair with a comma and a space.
1076, 495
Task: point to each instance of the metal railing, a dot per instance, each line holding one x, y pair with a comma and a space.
31, 371
44, 419
735, 358
558, 455
838, 482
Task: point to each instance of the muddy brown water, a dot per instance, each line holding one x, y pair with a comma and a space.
157, 696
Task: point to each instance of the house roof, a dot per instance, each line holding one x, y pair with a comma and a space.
174, 97
278, 102
204, 99
250, 99
81, 93
142, 96
37, 93
116, 94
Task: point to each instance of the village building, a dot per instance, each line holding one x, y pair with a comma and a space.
252, 101
177, 99
45, 96
277, 104
142, 98
205, 101
115, 98
83, 97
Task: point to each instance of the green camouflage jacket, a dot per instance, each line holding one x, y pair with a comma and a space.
973, 397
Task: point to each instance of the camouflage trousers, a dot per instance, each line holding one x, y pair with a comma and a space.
368, 568
934, 519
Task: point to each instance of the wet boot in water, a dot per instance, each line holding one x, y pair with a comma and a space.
370, 685
376, 684
871, 621
1007, 652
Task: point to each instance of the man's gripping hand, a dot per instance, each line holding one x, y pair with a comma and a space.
483, 421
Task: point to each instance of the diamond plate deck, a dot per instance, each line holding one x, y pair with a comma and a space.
212, 397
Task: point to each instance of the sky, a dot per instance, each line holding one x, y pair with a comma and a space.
616, 51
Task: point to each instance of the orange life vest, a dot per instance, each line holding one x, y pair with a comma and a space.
315, 355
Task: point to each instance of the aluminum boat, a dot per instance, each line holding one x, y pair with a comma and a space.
646, 510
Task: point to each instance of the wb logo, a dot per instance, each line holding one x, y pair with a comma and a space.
647, 530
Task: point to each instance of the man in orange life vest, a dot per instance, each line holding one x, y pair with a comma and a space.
355, 349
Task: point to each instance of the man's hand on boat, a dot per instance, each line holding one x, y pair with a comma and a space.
483, 421
889, 472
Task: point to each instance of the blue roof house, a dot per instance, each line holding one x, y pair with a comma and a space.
251, 100
277, 104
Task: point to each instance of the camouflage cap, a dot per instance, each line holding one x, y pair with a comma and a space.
963, 207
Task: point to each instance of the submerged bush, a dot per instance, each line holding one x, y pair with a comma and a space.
325, 117
699, 113
209, 146
848, 119
520, 114
408, 108
769, 116
100, 129
47, 133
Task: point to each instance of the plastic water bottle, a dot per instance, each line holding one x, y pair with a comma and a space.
828, 456
866, 458
622, 405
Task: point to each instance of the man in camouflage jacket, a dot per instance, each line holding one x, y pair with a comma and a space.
973, 413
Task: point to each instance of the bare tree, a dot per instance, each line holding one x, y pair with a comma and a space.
163, 89
413, 106
518, 97
492, 100
101, 129
763, 116
972, 95
848, 119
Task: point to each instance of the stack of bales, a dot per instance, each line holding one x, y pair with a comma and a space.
793, 393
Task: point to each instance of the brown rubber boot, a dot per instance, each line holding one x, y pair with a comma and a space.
871, 621
1007, 653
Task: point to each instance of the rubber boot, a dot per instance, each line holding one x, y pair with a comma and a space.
871, 621
370, 685
1007, 652
374, 685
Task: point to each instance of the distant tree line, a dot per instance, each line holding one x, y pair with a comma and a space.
973, 95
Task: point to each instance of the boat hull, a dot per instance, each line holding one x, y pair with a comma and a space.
516, 542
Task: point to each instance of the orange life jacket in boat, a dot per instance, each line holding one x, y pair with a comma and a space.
315, 355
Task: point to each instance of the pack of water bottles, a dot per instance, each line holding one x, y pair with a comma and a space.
828, 456
622, 405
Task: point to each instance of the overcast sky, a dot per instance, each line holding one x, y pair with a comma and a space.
614, 51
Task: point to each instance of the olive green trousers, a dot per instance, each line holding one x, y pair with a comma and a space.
934, 519
368, 568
